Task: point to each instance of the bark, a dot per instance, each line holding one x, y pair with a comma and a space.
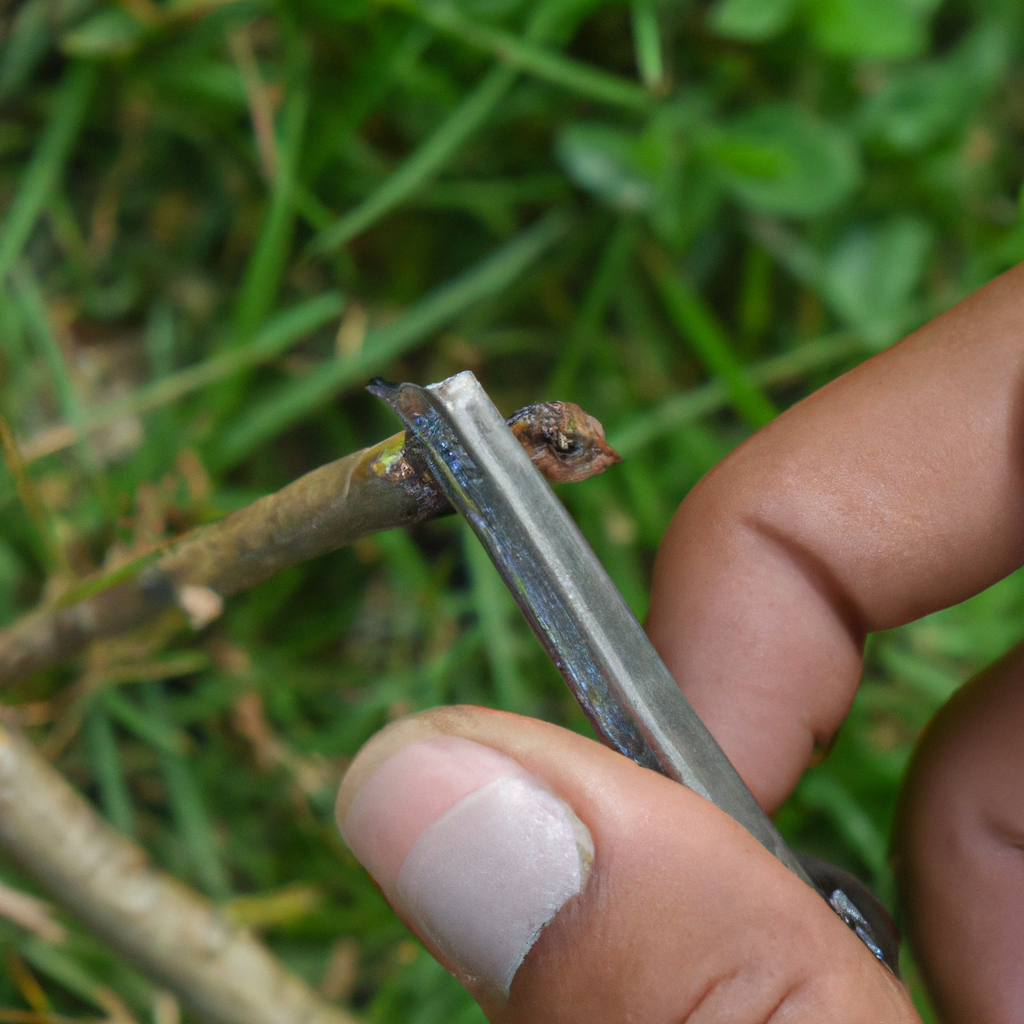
367, 491
171, 933
378, 488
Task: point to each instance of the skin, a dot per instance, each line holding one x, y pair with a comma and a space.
958, 844
697, 923
894, 491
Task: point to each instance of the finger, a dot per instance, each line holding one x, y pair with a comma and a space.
561, 882
958, 849
896, 490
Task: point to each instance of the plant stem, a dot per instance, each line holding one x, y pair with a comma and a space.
171, 933
375, 489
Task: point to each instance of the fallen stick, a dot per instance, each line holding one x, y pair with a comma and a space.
171, 933
375, 489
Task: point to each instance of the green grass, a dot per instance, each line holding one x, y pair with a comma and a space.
684, 217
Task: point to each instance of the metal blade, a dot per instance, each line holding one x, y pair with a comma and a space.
568, 598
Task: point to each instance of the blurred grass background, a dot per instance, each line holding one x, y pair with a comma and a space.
220, 218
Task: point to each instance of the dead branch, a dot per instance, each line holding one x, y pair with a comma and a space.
31, 913
374, 489
171, 933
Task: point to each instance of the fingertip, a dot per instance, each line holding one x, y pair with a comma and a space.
474, 851
382, 745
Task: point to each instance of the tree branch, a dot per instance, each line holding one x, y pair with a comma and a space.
375, 489
171, 933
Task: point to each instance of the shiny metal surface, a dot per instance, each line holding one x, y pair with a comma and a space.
568, 598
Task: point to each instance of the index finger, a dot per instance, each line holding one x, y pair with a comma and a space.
896, 490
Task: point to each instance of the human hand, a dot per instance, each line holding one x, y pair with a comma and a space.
481, 828
894, 491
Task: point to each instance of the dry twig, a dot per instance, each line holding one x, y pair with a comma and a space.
374, 489
31, 913
167, 930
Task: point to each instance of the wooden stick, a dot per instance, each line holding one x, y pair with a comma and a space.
171, 933
374, 489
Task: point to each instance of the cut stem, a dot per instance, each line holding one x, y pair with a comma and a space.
375, 489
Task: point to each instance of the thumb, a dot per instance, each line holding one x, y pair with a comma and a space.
561, 882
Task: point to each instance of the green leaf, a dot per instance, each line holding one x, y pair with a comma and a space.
109, 33
876, 29
916, 108
871, 277
750, 20
922, 105
781, 159
649, 172
607, 161
47, 162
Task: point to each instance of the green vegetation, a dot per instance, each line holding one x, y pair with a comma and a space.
682, 216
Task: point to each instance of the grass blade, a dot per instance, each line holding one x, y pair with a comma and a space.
29, 297
106, 763
493, 608
934, 685
526, 55
32, 307
153, 730
28, 38
825, 793
301, 397
160, 339
696, 403
60, 965
614, 260
47, 162
284, 330
471, 114
262, 279
52, 554
709, 341
193, 823
647, 44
